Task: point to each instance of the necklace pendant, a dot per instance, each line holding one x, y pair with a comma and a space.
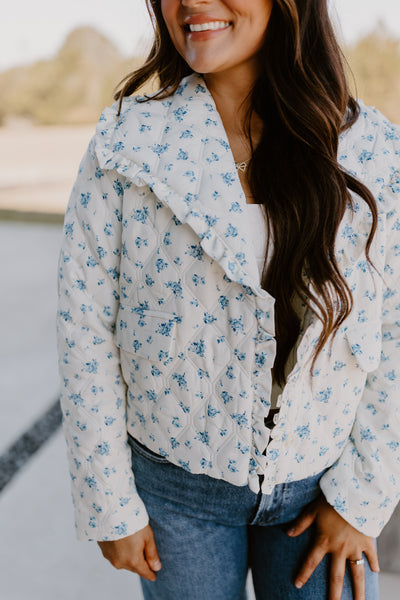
242, 166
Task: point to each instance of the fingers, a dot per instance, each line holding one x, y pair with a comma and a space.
136, 553
338, 569
145, 559
372, 557
151, 554
141, 567
358, 575
311, 563
337, 573
135, 563
358, 570
338, 538
302, 523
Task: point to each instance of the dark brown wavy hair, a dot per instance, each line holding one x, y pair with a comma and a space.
303, 99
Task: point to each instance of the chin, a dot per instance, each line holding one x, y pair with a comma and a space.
206, 69
203, 65
202, 68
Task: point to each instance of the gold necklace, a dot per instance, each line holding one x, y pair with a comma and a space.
242, 166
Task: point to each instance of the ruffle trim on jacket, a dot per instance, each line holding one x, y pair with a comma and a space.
230, 259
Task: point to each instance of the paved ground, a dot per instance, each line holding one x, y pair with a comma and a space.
39, 556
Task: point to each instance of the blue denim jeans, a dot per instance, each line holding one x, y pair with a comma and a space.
209, 532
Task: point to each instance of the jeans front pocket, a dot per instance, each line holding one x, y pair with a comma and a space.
146, 452
295, 497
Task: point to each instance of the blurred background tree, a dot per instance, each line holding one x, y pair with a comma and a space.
78, 82
375, 63
72, 88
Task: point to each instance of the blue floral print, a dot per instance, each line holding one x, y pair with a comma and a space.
164, 329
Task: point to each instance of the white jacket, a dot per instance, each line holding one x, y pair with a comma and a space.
164, 329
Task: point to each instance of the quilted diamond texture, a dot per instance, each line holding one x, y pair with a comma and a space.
209, 351
161, 280
157, 218
198, 277
187, 386
191, 248
171, 412
232, 389
138, 224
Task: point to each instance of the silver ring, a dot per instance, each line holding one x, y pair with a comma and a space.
360, 561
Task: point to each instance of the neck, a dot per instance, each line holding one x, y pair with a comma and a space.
231, 94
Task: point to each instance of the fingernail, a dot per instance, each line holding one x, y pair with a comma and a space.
156, 565
291, 531
298, 584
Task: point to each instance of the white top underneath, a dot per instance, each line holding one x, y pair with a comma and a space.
258, 232
258, 235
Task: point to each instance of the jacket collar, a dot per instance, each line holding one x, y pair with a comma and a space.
180, 149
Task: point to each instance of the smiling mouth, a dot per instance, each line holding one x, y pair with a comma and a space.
212, 26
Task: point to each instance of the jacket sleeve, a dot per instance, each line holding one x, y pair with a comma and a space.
93, 395
364, 484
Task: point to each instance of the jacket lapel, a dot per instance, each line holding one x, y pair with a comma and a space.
352, 236
179, 148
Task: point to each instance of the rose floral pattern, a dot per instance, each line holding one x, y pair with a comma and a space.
165, 332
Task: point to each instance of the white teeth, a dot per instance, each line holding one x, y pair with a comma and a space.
213, 26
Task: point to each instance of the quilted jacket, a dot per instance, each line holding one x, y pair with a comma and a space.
165, 332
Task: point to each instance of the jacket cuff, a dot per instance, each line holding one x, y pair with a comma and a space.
350, 491
117, 524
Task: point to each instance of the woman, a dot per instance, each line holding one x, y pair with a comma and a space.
259, 397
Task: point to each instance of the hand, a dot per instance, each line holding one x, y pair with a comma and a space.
339, 538
137, 553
